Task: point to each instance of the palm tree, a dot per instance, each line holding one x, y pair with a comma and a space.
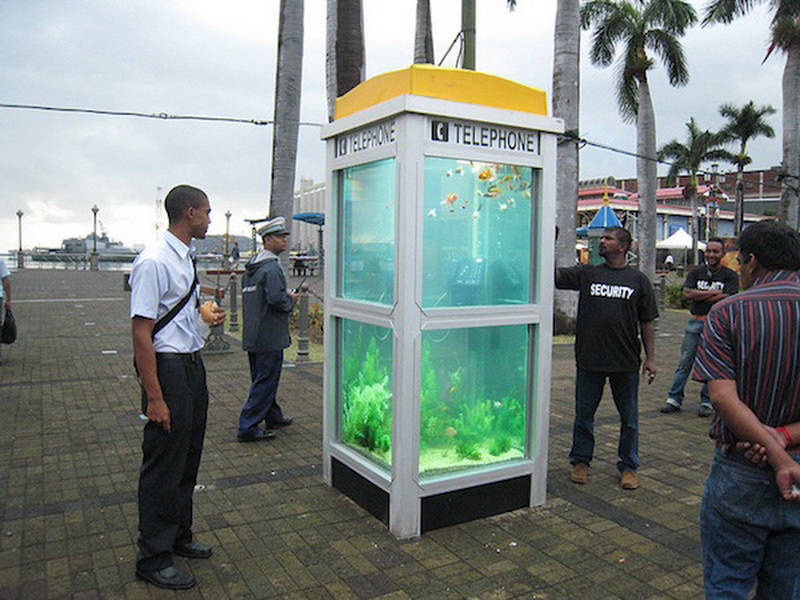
743, 124
288, 78
423, 38
641, 26
785, 35
344, 61
700, 147
566, 104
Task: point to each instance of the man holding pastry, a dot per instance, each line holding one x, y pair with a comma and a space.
166, 344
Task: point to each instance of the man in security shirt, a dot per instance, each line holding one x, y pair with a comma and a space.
705, 285
615, 304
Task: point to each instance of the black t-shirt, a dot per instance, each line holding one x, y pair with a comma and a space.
701, 278
611, 305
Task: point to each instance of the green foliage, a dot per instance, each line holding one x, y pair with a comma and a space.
673, 296
468, 450
500, 444
474, 423
367, 417
367, 408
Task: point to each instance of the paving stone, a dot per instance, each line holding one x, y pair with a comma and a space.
71, 453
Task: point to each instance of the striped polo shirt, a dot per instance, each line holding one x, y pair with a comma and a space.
754, 339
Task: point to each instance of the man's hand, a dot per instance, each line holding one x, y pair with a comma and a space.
788, 480
158, 412
219, 316
7, 303
755, 452
649, 370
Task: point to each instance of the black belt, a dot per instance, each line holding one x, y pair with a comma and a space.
190, 356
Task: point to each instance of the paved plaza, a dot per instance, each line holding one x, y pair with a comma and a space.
70, 452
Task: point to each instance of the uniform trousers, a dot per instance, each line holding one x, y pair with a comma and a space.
171, 460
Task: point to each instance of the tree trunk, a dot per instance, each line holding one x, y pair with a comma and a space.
288, 78
566, 98
691, 192
344, 62
790, 190
423, 35
330, 57
647, 180
468, 31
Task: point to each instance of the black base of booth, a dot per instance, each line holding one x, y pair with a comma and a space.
363, 492
441, 510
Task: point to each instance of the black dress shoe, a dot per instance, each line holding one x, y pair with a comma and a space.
170, 578
259, 436
282, 422
193, 549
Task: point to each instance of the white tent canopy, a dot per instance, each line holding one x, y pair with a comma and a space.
680, 240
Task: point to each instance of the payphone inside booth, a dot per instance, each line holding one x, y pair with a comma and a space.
438, 299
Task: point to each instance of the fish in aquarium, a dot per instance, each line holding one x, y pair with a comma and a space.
504, 207
459, 171
451, 199
494, 191
432, 213
486, 174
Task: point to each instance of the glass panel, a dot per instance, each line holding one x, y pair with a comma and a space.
473, 397
367, 209
477, 233
366, 389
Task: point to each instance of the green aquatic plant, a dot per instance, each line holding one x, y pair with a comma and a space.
367, 420
474, 422
500, 444
468, 450
511, 417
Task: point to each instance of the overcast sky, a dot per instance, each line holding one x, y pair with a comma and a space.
217, 58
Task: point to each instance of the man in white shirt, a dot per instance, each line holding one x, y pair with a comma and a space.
174, 394
5, 291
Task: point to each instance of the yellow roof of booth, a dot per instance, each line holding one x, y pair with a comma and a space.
458, 85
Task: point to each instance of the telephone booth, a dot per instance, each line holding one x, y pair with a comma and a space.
438, 299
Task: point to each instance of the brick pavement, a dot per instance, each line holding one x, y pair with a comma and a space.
70, 450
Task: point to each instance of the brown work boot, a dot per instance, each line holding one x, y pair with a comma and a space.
580, 473
628, 480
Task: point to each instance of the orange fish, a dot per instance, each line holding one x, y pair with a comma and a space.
451, 199
486, 174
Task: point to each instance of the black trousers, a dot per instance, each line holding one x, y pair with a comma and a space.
171, 460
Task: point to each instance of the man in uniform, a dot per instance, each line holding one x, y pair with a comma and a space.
705, 285
748, 355
616, 302
166, 344
266, 305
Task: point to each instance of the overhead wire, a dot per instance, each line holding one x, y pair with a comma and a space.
163, 116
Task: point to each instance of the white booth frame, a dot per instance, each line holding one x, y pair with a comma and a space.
406, 319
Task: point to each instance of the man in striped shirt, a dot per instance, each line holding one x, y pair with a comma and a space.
750, 357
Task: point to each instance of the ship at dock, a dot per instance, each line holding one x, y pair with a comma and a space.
81, 248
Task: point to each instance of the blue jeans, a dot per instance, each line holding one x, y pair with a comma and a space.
691, 339
750, 534
262, 403
588, 392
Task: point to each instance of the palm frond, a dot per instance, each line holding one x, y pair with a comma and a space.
670, 50
725, 11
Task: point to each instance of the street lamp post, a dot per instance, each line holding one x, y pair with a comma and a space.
20, 256
94, 263
227, 235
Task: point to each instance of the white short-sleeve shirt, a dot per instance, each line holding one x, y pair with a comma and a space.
4, 272
161, 276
